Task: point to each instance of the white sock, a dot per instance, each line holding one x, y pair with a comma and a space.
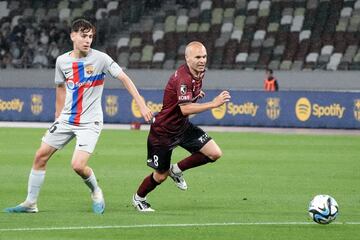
137, 197
91, 182
176, 168
36, 179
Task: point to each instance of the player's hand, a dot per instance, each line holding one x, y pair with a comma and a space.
147, 114
222, 98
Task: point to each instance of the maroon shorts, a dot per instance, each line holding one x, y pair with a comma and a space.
160, 147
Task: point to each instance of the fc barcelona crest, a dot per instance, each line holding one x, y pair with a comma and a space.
273, 108
357, 109
111, 107
36, 104
89, 69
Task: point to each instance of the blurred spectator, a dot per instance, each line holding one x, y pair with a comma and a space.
3, 43
63, 26
44, 38
15, 54
2, 54
30, 37
53, 52
6, 59
6, 29
18, 32
40, 59
27, 57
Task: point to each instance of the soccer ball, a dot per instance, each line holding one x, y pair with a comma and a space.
323, 209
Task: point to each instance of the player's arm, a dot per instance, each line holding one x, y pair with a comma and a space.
60, 99
192, 108
131, 88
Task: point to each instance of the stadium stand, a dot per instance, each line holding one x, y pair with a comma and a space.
239, 34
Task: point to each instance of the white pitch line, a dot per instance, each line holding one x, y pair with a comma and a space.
177, 225
146, 127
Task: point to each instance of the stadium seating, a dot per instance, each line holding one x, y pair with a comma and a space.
239, 34
259, 34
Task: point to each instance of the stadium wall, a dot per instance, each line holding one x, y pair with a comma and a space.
215, 79
246, 108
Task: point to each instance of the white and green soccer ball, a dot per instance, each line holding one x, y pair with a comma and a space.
323, 209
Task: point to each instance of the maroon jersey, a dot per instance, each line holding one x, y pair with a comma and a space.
182, 88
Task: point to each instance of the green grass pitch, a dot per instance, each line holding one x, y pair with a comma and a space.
259, 189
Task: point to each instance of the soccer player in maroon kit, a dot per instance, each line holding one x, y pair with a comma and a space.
171, 127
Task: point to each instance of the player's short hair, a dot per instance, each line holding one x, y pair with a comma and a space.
82, 25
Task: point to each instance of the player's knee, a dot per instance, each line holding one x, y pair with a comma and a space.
160, 177
215, 155
40, 159
77, 167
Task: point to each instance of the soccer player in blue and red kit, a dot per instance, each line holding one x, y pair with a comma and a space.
79, 78
171, 127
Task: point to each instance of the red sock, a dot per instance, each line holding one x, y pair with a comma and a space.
147, 186
195, 160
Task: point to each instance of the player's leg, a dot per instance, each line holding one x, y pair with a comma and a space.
79, 165
55, 138
204, 150
211, 150
148, 184
87, 137
35, 181
209, 153
158, 159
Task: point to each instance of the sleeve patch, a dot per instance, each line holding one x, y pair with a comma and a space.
183, 89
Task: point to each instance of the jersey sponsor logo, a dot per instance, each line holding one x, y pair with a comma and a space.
273, 108
184, 98
36, 104
70, 84
183, 89
357, 109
